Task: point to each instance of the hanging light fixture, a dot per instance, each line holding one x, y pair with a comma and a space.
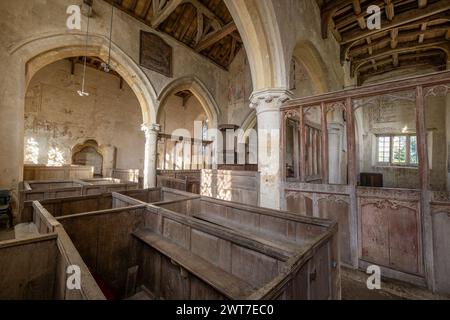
81, 92
107, 66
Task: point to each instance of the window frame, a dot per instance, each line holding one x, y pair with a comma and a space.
391, 162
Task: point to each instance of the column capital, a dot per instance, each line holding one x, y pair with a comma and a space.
151, 128
269, 99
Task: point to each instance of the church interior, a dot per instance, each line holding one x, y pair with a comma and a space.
225, 150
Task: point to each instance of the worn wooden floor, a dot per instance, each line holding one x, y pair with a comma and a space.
354, 288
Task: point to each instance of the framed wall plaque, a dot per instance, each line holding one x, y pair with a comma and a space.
155, 54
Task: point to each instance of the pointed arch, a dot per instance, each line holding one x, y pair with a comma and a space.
306, 53
38, 52
260, 32
199, 90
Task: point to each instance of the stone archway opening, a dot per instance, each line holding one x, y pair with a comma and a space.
89, 154
60, 124
187, 115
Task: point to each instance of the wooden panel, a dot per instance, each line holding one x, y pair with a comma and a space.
256, 269
319, 270
391, 235
28, 268
338, 209
441, 246
39, 172
236, 186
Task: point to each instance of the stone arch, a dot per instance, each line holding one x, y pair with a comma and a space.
260, 32
306, 53
41, 51
249, 123
94, 149
199, 90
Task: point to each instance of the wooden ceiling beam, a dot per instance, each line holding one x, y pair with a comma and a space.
389, 68
442, 45
357, 10
399, 20
216, 36
232, 51
350, 18
147, 7
389, 9
422, 3
201, 8
423, 27
200, 28
164, 13
407, 47
401, 59
395, 59
402, 35
394, 38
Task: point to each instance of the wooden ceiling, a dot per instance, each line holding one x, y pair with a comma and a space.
413, 34
206, 26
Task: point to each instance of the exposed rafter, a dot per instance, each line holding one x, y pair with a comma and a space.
409, 28
206, 26
163, 13
215, 36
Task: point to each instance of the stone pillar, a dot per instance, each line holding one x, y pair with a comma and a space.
12, 103
267, 105
151, 147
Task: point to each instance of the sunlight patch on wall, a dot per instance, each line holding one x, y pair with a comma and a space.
55, 157
31, 151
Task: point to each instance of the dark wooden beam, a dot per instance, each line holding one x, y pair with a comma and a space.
399, 20
166, 12
355, 51
407, 47
216, 36
422, 3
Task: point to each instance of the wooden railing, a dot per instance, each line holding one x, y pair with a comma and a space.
181, 153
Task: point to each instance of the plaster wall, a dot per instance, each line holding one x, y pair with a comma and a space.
175, 118
57, 118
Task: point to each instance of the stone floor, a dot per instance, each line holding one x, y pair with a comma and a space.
354, 288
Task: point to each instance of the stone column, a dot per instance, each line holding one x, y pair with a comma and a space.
12, 103
151, 147
267, 105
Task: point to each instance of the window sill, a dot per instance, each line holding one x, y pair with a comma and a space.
396, 167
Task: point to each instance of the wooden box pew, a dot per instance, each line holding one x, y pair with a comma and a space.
85, 204
157, 195
44, 190
36, 267
99, 186
104, 240
283, 227
177, 248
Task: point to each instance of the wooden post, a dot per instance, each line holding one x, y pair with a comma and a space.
351, 147
325, 167
424, 175
296, 151
192, 153
165, 153
283, 127
302, 133
352, 182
